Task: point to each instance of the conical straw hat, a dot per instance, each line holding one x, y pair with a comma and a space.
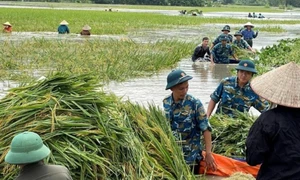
280, 86
249, 24
64, 22
7, 24
86, 28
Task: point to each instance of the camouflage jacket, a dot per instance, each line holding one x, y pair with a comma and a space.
221, 53
231, 96
241, 44
187, 119
218, 39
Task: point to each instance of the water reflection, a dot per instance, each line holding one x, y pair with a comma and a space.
143, 90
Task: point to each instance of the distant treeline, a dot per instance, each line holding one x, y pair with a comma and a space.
281, 3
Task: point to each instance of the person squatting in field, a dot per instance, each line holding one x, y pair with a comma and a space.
63, 27
7, 27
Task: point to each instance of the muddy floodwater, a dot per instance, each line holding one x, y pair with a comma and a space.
205, 76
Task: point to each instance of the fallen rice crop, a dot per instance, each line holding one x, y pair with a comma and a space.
92, 133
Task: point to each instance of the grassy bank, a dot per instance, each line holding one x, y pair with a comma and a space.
227, 8
38, 20
106, 59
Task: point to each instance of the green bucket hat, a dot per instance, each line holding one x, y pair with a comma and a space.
25, 148
177, 77
246, 65
224, 38
226, 28
238, 33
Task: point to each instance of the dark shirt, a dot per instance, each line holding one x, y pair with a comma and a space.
85, 32
40, 171
200, 51
274, 141
62, 29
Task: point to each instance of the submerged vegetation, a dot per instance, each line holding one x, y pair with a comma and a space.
223, 8
101, 22
287, 50
107, 59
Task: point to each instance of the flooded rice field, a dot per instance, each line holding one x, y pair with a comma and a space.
152, 89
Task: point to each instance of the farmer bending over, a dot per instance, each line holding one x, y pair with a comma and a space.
86, 30
28, 151
188, 120
235, 93
7, 27
63, 28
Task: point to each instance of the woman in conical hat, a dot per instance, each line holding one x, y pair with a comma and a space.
86, 30
248, 33
274, 138
7, 27
63, 27
64, 22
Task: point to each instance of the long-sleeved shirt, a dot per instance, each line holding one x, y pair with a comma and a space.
187, 119
200, 51
249, 34
39, 170
274, 141
221, 53
218, 39
241, 43
7, 29
233, 97
62, 29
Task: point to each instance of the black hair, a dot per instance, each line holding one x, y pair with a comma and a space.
205, 38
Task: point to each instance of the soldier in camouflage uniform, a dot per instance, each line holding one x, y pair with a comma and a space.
235, 93
188, 120
241, 43
221, 52
225, 30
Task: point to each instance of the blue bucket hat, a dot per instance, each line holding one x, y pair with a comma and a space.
25, 148
177, 77
246, 65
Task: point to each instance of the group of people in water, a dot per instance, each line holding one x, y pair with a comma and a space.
62, 28
274, 137
255, 16
221, 48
